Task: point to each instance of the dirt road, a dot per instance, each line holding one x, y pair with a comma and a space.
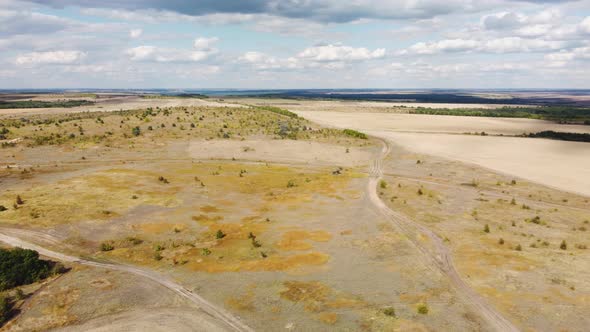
230, 321
437, 253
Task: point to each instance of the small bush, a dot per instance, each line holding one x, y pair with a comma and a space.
563, 245
106, 246
134, 240
518, 247
382, 184
501, 241
422, 309
486, 228
136, 131
389, 311
219, 235
3, 208
19, 200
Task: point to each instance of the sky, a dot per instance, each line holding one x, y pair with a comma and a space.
265, 44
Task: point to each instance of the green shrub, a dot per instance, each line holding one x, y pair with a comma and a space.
422, 309
277, 111
136, 131
382, 184
388, 311
354, 133
219, 235
106, 246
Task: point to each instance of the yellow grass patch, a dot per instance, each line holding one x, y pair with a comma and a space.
295, 240
99, 196
272, 263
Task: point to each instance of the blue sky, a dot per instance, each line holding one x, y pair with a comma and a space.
294, 44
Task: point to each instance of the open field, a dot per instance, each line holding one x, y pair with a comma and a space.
209, 217
559, 164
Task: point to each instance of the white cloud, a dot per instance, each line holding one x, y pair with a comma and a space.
141, 53
135, 33
449, 45
332, 52
263, 61
203, 43
585, 25
563, 58
53, 57
497, 45
203, 49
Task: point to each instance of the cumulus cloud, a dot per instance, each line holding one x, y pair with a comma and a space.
318, 10
331, 56
203, 48
13, 22
53, 57
497, 45
332, 52
205, 44
560, 59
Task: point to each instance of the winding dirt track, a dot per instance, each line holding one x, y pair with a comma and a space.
221, 315
437, 254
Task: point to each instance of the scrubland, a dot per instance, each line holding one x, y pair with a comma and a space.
269, 217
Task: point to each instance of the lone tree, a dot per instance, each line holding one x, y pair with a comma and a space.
136, 131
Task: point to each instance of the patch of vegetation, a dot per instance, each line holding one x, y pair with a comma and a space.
422, 309
388, 311
23, 266
562, 136
277, 110
6, 311
354, 133
561, 114
44, 104
106, 246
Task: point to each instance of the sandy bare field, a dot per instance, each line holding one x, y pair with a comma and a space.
436, 123
357, 106
283, 151
559, 164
